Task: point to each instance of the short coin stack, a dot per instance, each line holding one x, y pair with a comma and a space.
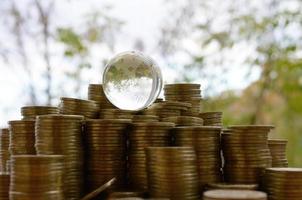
206, 142
4, 150
246, 153
234, 195
211, 118
144, 118
283, 183
30, 112
22, 137
115, 114
106, 152
62, 135
36, 177
96, 93
172, 173
277, 148
141, 136
184, 120
185, 92
4, 186
87, 108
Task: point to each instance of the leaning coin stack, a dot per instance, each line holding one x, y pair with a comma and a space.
206, 142
4, 150
141, 136
283, 183
115, 114
87, 108
185, 92
22, 137
96, 93
184, 120
30, 112
62, 135
234, 195
211, 118
4, 186
246, 153
172, 173
277, 148
36, 177
106, 152
144, 118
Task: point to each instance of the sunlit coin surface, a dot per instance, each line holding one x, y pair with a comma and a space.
132, 81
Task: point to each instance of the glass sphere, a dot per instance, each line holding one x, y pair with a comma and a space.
132, 81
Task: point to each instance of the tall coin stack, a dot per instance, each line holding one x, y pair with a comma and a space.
283, 183
234, 195
71, 106
106, 152
185, 92
4, 186
36, 177
4, 150
141, 136
96, 93
172, 173
62, 135
211, 118
277, 148
30, 112
206, 142
246, 153
184, 120
22, 137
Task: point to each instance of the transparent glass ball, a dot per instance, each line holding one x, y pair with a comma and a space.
132, 81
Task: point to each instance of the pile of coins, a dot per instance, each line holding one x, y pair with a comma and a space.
246, 153
22, 137
211, 118
234, 195
277, 148
115, 114
185, 92
4, 150
30, 112
229, 186
141, 136
96, 93
144, 118
172, 173
106, 152
283, 183
36, 177
184, 121
87, 108
4, 186
62, 135
206, 142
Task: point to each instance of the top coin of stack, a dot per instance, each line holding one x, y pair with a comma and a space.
4, 149
283, 183
115, 114
185, 92
277, 148
211, 118
30, 112
96, 93
184, 120
87, 108
4, 186
246, 153
234, 195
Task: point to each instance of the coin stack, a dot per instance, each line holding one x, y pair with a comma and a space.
246, 153
62, 135
106, 152
229, 186
144, 118
22, 137
36, 177
185, 92
277, 148
116, 114
4, 150
141, 136
206, 142
283, 183
234, 195
30, 112
211, 118
96, 93
4, 186
184, 120
172, 173
87, 108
